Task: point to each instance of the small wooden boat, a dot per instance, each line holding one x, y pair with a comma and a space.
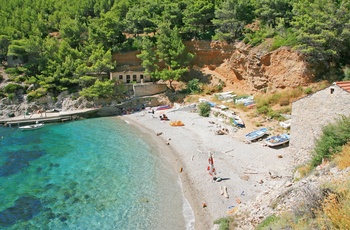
31, 127
238, 121
256, 134
277, 140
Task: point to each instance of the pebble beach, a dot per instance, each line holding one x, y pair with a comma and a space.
244, 170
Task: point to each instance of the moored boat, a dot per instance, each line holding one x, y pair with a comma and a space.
256, 134
277, 140
31, 127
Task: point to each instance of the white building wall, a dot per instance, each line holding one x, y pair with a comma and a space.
130, 76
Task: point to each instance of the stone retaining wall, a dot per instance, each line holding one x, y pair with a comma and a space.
148, 89
310, 114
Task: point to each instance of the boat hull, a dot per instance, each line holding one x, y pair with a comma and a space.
277, 140
252, 136
238, 122
31, 127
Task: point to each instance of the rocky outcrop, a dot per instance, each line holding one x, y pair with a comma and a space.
18, 106
260, 69
301, 195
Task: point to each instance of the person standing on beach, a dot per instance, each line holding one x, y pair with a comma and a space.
211, 167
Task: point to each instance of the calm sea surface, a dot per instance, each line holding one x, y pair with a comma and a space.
91, 174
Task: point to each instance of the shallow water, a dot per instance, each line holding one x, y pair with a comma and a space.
91, 174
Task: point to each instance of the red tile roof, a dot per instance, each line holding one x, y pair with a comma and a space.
345, 85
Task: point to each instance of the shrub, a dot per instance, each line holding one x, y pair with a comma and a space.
274, 115
99, 89
274, 99
19, 79
12, 88
204, 109
194, 86
31, 80
13, 71
36, 94
346, 74
289, 39
11, 96
220, 85
223, 223
287, 109
331, 141
265, 109
308, 90
267, 222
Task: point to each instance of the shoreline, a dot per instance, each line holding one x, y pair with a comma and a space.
172, 155
245, 169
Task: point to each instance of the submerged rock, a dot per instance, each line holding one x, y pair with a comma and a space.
18, 160
24, 209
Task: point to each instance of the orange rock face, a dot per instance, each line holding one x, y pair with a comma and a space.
241, 66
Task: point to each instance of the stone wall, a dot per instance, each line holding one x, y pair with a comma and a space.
310, 114
148, 89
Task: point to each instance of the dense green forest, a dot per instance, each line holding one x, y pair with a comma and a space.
61, 42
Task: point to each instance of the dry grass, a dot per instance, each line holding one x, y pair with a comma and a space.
343, 158
304, 170
336, 208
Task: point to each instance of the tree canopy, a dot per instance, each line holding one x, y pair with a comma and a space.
60, 42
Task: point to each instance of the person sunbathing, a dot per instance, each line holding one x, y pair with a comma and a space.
165, 118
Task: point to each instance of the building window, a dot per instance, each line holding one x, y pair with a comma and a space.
120, 77
134, 77
332, 90
141, 76
127, 78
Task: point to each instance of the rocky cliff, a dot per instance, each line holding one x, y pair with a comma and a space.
255, 68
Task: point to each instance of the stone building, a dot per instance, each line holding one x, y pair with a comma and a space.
138, 84
130, 76
310, 114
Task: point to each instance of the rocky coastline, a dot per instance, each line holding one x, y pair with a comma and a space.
19, 106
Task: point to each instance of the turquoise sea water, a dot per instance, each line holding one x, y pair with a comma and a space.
90, 174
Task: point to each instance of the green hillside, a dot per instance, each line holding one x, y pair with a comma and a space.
61, 42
